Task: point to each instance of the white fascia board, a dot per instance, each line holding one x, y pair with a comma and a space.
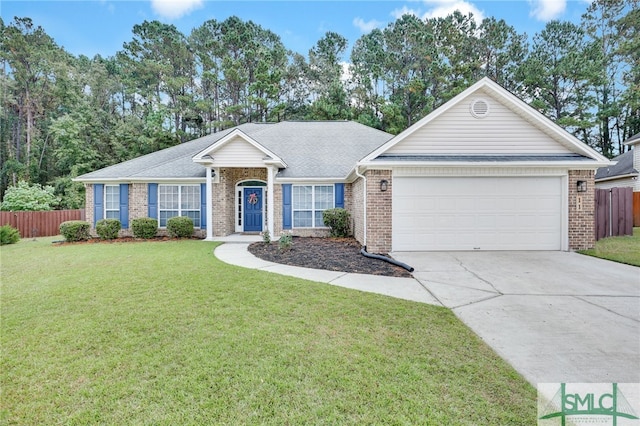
311, 180
141, 180
278, 162
627, 176
635, 140
210, 150
584, 165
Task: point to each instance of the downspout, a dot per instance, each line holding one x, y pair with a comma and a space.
364, 191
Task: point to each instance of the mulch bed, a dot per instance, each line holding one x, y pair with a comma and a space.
332, 254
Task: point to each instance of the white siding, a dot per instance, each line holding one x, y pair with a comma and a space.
456, 131
238, 153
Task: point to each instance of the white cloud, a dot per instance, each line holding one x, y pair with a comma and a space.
367, 27
398, 13
441, 9
174, 9
546, 10
444, 8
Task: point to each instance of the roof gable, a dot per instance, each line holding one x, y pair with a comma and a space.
485, 119
237, 149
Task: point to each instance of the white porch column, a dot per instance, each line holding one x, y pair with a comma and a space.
270, 215
209, 218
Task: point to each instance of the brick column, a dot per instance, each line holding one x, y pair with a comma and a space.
379, 205
581, 211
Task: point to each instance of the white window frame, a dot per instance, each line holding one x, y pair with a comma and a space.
314, 210
115, 212
180, 209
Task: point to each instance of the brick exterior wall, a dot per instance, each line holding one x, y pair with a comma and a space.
581, 211
379, 206
88, 204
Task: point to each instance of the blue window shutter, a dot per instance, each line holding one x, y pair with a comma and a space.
286, 206
98, 203
339, 194
152, 196
124, 205
203, 206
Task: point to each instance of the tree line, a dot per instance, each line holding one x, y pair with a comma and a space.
64, 115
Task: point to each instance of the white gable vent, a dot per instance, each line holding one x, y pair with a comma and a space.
479, 108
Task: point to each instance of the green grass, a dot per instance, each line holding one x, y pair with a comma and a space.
163, 333
624, 249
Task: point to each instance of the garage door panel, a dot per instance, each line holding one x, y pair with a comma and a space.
497, 213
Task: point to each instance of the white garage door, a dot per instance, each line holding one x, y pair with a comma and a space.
480, 213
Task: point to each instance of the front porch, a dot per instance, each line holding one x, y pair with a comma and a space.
240, 200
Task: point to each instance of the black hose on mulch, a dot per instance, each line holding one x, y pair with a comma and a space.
386, 259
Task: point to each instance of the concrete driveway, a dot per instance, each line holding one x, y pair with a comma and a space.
555, 316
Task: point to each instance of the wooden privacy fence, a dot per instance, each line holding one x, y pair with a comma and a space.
39, 224
636, 209
614, 212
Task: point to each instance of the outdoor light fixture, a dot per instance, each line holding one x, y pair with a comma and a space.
384, 185
582, 186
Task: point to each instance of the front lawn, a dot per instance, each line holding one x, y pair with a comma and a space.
164, 333
625, 249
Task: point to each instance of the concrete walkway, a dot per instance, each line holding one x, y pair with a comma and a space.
234, 251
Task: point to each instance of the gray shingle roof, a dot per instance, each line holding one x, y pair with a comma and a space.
313, 149
622, 168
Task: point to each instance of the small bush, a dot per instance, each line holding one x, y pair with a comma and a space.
285, 242
108, 229
180, 227
338, 220
266, 237
144, 227
8, 235
75, 230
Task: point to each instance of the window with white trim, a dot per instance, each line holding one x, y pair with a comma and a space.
178, 200
112, 201
308, 203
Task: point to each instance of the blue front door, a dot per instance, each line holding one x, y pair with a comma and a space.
252, 217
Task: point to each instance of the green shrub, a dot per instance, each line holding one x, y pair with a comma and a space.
285, 242
75, 230
180, 227
266, 236
8, 235
338, 220
108, 229
144, 227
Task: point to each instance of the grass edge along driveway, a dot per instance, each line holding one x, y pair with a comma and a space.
623, 249
164, 333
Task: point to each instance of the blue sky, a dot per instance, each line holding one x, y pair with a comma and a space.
102, 26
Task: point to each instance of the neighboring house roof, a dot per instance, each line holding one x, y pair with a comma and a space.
622, 169
314, 149
633, 140
482, 124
